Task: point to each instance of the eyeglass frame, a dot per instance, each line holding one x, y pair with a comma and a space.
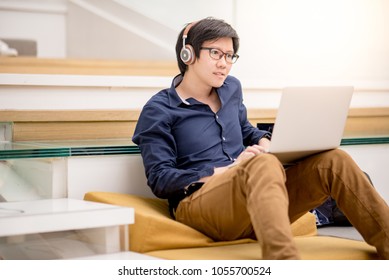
220, 56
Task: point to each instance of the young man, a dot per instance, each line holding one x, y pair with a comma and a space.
201, 153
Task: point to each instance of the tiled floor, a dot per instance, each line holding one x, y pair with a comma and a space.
345, 232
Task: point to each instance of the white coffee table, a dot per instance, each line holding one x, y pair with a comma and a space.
100, 228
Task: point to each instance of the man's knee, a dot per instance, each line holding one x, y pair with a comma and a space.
264, 165
267, 158
335, 155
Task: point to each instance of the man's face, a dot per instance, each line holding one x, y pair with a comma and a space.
213, 71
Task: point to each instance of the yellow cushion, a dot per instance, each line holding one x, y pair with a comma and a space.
154, 229
310, 248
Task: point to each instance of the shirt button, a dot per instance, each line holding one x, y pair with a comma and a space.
224, 139
217, 116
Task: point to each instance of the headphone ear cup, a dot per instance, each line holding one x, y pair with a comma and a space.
187, 54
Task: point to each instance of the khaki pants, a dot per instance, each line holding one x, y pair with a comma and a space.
258, 198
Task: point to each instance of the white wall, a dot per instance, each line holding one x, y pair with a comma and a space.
107, 29
120, 173
313, 40
374, 160
282, 41
176, 13
41, 20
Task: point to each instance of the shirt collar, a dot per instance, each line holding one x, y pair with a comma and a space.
176, 100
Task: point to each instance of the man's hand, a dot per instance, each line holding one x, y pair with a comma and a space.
265, 143
249, 152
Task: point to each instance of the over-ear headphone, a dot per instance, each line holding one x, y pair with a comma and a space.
187, 54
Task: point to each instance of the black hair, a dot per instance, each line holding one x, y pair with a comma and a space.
205, 30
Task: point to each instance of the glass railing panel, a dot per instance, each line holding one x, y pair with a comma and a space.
47, 149
365, 141
52, 149
10, 150
24, 179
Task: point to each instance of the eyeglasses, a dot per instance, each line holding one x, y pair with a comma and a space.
218, 54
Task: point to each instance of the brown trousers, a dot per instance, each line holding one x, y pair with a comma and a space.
259, 199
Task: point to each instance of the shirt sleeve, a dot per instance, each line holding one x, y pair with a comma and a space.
158, 148
250, 134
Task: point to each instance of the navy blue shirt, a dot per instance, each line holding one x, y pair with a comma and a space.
182, 141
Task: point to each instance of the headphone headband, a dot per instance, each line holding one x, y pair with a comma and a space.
187, 28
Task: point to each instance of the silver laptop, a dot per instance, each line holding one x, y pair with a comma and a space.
309, 120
